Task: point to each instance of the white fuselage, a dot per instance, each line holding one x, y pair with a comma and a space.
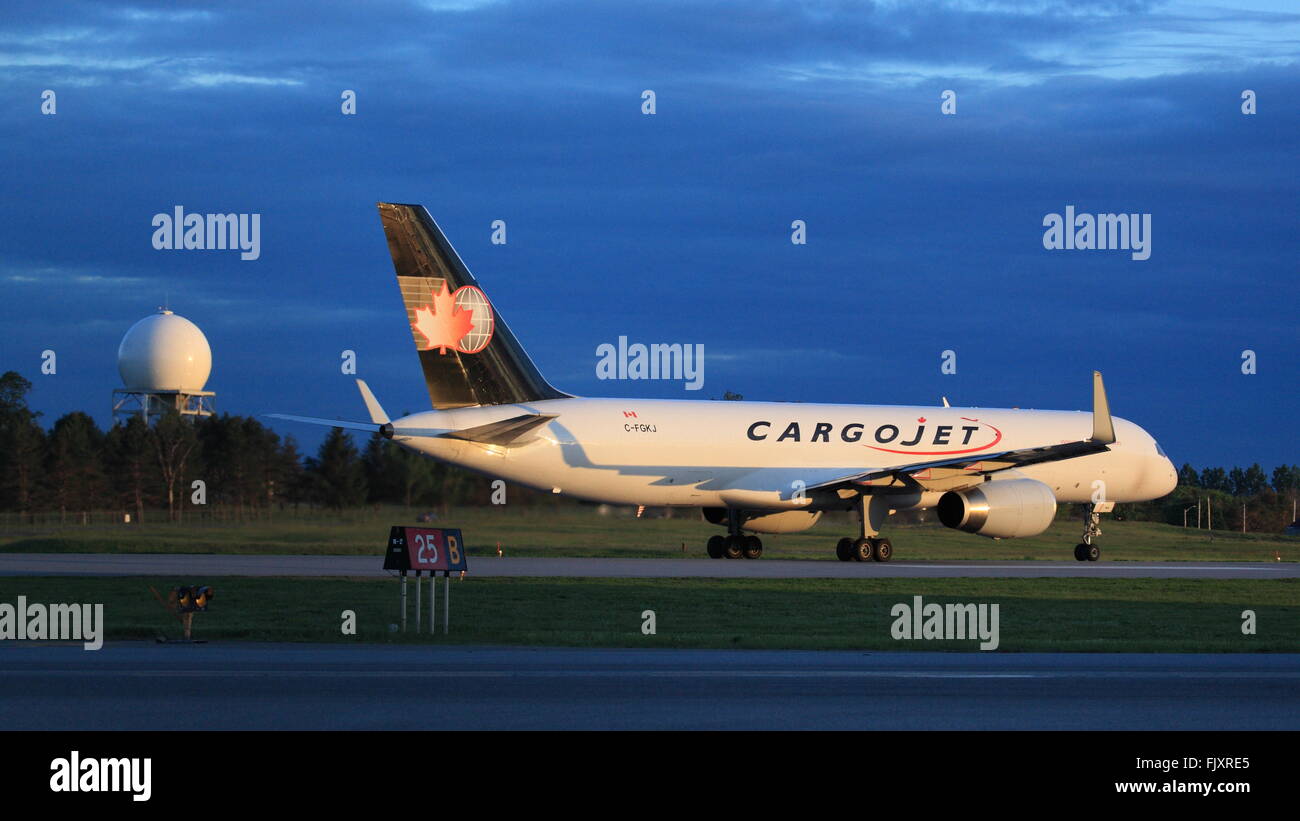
743, 454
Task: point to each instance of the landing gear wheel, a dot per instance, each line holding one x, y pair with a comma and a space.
753, 547
882, 551
863, 550
733, 547
844, 549
1087, 550
715, 547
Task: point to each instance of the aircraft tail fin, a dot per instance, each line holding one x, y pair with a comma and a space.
467, 352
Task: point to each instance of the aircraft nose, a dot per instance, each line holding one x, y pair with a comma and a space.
1164, 479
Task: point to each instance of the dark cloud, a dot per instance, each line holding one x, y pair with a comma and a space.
925, 231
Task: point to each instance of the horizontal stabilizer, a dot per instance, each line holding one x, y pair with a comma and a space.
386, 429
512, 431
333, 423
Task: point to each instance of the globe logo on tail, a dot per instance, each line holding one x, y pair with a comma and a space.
460, 320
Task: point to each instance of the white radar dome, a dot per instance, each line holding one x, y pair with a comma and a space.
164, 352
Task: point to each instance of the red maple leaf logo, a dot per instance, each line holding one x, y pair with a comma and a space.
443, 324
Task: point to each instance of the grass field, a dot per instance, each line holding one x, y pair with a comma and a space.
581, 531
1089, 615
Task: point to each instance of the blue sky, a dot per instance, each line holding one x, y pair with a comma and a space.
924, 230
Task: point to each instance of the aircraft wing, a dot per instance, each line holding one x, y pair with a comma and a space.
947, 473
942, 473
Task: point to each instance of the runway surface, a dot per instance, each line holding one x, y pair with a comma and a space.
330, 687
159, 564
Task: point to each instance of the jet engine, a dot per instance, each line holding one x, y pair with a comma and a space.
1000, 509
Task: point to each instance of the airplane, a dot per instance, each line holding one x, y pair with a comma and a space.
752, 467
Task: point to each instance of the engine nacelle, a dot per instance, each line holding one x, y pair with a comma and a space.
785, 521
1000, 509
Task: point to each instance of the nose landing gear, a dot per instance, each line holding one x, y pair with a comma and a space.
1086, 551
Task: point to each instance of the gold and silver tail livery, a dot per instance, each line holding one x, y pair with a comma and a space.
467, 352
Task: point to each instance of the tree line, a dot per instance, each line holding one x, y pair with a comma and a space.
239, 465
1248, 499
247, 469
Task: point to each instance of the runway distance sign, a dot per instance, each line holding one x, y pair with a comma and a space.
425, 548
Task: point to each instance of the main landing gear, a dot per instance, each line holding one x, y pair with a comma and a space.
735, 545
865, 549
1086, 551
870, 546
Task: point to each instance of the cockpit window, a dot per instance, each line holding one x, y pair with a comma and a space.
1159, 449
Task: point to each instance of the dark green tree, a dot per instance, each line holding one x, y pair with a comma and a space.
175, 445
1215, 479
73, 465
398, 475
1286, 479
290, 482
1236, 481
130, 460
22, 446
338, 477
1253, 481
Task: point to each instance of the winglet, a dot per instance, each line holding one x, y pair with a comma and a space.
1103, 429
377, 414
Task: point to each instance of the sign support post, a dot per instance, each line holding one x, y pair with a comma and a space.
433, 603
419, 611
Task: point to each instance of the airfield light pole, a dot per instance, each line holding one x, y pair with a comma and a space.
418, 610
1198, 515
